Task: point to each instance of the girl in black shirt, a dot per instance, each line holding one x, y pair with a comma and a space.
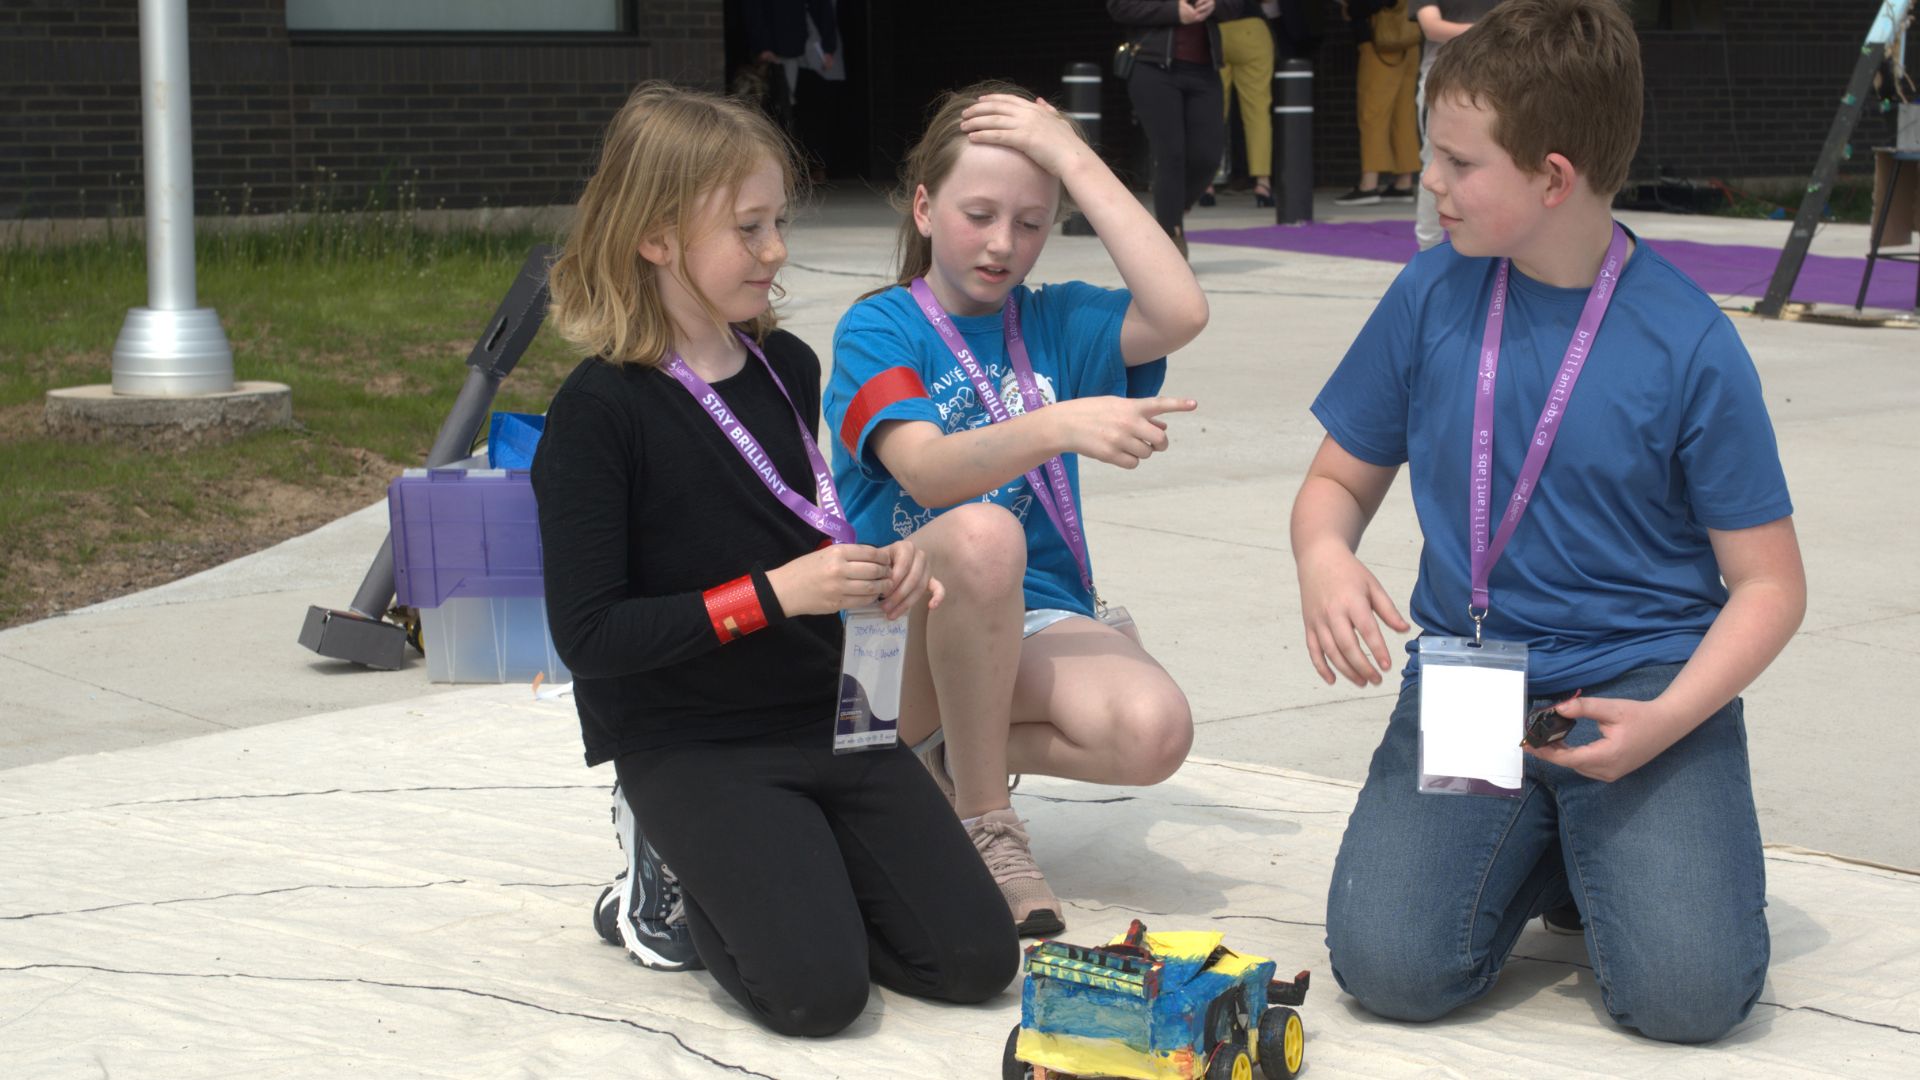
693, 584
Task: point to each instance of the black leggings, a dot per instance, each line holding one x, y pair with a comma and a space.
806, 872
1180, 109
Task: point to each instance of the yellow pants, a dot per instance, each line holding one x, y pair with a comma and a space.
1247, 47
1389, 124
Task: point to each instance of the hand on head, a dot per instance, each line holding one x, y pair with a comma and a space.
1035, 128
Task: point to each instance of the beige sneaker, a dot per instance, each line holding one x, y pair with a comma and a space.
1001, 838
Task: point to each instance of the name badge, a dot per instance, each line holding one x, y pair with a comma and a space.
872, 664
1473, 703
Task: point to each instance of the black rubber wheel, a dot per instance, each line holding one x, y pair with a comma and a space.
1012, 1068
1230, 1061
1283, 1043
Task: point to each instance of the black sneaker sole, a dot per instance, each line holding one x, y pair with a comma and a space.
1040, 924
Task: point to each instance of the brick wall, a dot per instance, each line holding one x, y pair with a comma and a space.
515, 121
1756, 100
279, 120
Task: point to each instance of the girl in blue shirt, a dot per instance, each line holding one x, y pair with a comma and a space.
942, 438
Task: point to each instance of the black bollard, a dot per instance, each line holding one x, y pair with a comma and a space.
1080, 92
1293, 142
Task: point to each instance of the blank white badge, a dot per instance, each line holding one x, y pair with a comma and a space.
1470, 722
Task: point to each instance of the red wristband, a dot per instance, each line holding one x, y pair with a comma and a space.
734, 609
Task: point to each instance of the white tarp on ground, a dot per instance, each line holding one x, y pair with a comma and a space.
405, 890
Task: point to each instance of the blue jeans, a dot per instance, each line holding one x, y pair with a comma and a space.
1430, 891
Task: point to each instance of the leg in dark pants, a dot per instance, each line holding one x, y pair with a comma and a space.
1179, 109
808, 873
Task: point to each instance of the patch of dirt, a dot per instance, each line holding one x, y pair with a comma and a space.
59, 578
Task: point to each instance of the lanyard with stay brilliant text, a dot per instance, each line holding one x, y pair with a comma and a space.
827, 516
1053, 492
1480, 503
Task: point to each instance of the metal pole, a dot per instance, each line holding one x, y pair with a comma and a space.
1080, 89
1293, 141
172, 347
1880, 42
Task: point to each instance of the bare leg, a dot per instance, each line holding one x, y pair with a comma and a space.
962, 659
1090, 704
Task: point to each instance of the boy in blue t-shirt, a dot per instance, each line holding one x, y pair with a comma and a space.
1653, 568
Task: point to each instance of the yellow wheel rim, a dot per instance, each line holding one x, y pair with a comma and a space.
1242, 1066
1294, 1043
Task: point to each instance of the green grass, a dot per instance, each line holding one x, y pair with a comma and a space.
367, 318
1851, 201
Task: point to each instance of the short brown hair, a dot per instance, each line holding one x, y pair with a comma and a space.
1560, 77
665, 148
929, 162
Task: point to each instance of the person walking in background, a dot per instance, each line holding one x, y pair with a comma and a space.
1246, 48
1176, 95
1385, 84
1440, 22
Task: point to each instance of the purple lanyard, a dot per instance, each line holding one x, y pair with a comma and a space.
1480, 504
826, 517
1054, 493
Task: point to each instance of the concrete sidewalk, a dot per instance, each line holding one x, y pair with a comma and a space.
1194, 543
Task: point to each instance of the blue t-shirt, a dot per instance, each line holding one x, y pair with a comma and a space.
889, 363
1665, 436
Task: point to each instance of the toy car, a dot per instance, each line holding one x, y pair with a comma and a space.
1174, 1006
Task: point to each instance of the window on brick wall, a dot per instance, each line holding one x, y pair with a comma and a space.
1676, 14
460, 16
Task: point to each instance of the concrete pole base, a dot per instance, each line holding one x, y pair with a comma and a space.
97, 414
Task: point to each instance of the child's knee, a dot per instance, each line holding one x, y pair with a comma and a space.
982, 550
814, 1007
980, 967
1397, 966
1684, 1006
1153, 731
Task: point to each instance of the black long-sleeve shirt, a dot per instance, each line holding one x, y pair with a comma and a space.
644, 505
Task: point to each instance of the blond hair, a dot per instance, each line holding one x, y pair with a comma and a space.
929, 162
665, 149
1560, 76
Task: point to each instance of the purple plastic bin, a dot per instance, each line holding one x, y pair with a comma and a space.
460, 533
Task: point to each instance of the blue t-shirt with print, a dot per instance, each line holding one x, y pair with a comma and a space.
1666, 435
889, 363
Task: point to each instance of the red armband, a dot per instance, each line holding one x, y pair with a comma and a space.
734, 609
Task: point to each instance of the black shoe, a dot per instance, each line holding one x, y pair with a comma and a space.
1564, 920
1207, 199
1394, 194
1262, 198
1360, 197
643, 910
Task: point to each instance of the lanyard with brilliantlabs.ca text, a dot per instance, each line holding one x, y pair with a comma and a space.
1480, 503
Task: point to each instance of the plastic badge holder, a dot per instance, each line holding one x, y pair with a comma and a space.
1473, 701
466, 552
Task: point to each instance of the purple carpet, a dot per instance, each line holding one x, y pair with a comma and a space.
1721, 269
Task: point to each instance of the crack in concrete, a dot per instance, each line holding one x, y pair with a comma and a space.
306, 794
1271, 919
1255, 809
1768, 1004
120, 693
221, 896
344, 980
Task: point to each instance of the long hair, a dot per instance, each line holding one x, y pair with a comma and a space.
665, 149
929, 162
